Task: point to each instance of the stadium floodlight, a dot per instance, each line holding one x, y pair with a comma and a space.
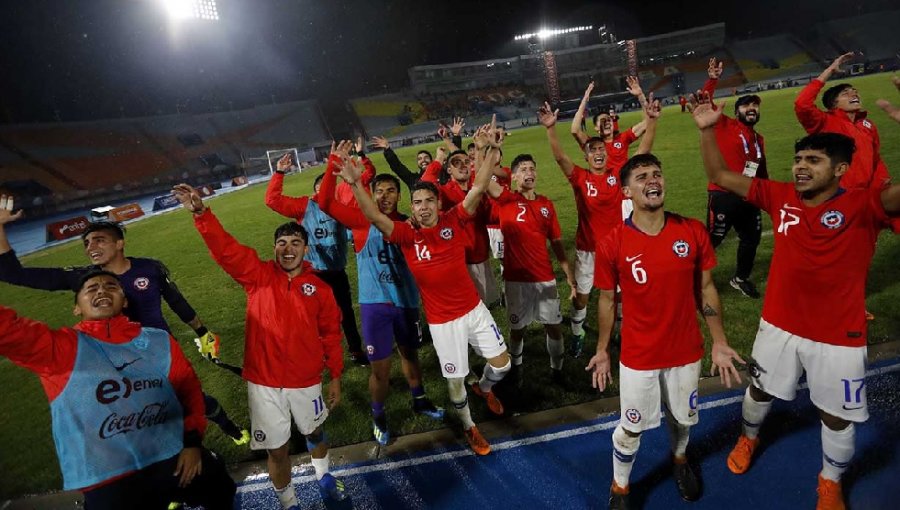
546, 33
192, 9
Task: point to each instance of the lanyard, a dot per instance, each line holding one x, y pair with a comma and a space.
747, 148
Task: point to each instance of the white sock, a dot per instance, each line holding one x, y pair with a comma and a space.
679, 435
515, 352
838, 447
492, 375
625, 447
287, 495
752, 414
321, 466
577, 320
456, 388
556, 350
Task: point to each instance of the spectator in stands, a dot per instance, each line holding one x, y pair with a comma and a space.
744, 152
892, 111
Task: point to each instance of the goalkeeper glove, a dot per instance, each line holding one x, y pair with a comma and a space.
208, 345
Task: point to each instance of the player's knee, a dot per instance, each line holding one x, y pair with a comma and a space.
580, 300
501, 364
316, 440
279, 454
554, 331
833, 422
456, 389
408, 353
625, 440
759, 395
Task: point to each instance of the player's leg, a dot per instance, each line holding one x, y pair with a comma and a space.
485, 283
212, 488
679, 394
407, 332
748, 225
718, 216
837, 387
487, 342
584, 282
270, 419
377, 327
519, 311
309, 412
216, 414
340, 287
547, 312
774, 371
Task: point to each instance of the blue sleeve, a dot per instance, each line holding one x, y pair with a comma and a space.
174, 298
41, 278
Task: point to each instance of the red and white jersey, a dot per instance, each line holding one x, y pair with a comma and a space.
436, 256
817, 280
659, 277
598, 200
617, 150
527, 225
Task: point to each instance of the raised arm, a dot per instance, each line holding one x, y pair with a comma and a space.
7, 203
578, 121
651, 112
713, 73
350, 217
351, 171
716, 170
811, 117
891, 110
11, 270
483, 175
394, 163
291, 207
835, 66
548, 119
723, 356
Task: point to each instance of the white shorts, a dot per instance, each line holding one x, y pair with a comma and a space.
495, 236
627, 208
271, 410
836, 375
641, 391
485, 282
452, 339
584, 271
527, 302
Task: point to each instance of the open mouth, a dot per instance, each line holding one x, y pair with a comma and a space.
101, 302
855, 100
653, 193
288, 258
95, 255
802, 178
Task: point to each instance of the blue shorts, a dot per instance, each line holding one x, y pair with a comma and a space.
382, 323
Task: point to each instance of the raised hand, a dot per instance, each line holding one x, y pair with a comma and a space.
601, 371
381, 142
892, 111
723, 358
442, 131
547, 116
714, 71
705, 116
481, 139
6, 210
458, 124
360, 145
652, 107
342, 149
441, 154
838, 62
588, 91
633, 86
285, 162
189, 198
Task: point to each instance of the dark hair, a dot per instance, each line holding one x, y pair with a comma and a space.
637, 161
292, 228
424, 185
93, 273
597, 116
423, 151
379, 178
117, 230
457, 152
838, 147
829, 98
594, 139
318, 180
470, 146
521, 158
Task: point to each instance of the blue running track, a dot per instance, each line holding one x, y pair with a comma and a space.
571, 467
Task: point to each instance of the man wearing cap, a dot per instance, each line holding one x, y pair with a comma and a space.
744, 152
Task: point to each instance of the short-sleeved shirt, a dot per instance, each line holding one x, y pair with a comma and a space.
527, 225
659, 277
817, 279
598, 200
436, 258
617, 150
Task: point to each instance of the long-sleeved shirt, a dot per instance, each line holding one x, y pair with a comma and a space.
293, 325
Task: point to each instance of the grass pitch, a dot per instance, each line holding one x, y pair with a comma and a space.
27, 458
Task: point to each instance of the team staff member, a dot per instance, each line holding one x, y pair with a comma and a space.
327, 251
144, 281
656, 253
824, 239
745, 153
125, 405
292, 335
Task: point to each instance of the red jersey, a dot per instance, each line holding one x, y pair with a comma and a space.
436, 258
659, 276
817, 281
478, 245
527, 225
617, 150
343, 193
505, 183
598, 200
739, 144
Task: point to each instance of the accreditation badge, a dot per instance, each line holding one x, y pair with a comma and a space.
750, 168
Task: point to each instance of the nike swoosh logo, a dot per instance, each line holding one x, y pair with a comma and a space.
791, 207
120, 368
851, 408
629, 259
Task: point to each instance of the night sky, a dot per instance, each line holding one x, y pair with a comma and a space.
75, 60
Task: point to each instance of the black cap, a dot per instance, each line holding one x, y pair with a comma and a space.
748, 99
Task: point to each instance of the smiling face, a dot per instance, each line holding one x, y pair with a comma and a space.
604, 125
814, 173
425, 206
423, 159
748, 113
101, 297
386, 195
103, 247
646, 187
848, 100
595, 155
459, 167
525, 176
289, 252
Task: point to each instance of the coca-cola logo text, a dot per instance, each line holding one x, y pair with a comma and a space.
151, 415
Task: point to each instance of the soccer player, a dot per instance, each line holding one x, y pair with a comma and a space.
528, 221
435, 253
824, 239
598, 201
126, 407
656, 253
327, 246
292, 334
388, 298
144, 281
423, 159
745, 153
845, 115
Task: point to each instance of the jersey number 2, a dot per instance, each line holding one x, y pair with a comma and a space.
521, 215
